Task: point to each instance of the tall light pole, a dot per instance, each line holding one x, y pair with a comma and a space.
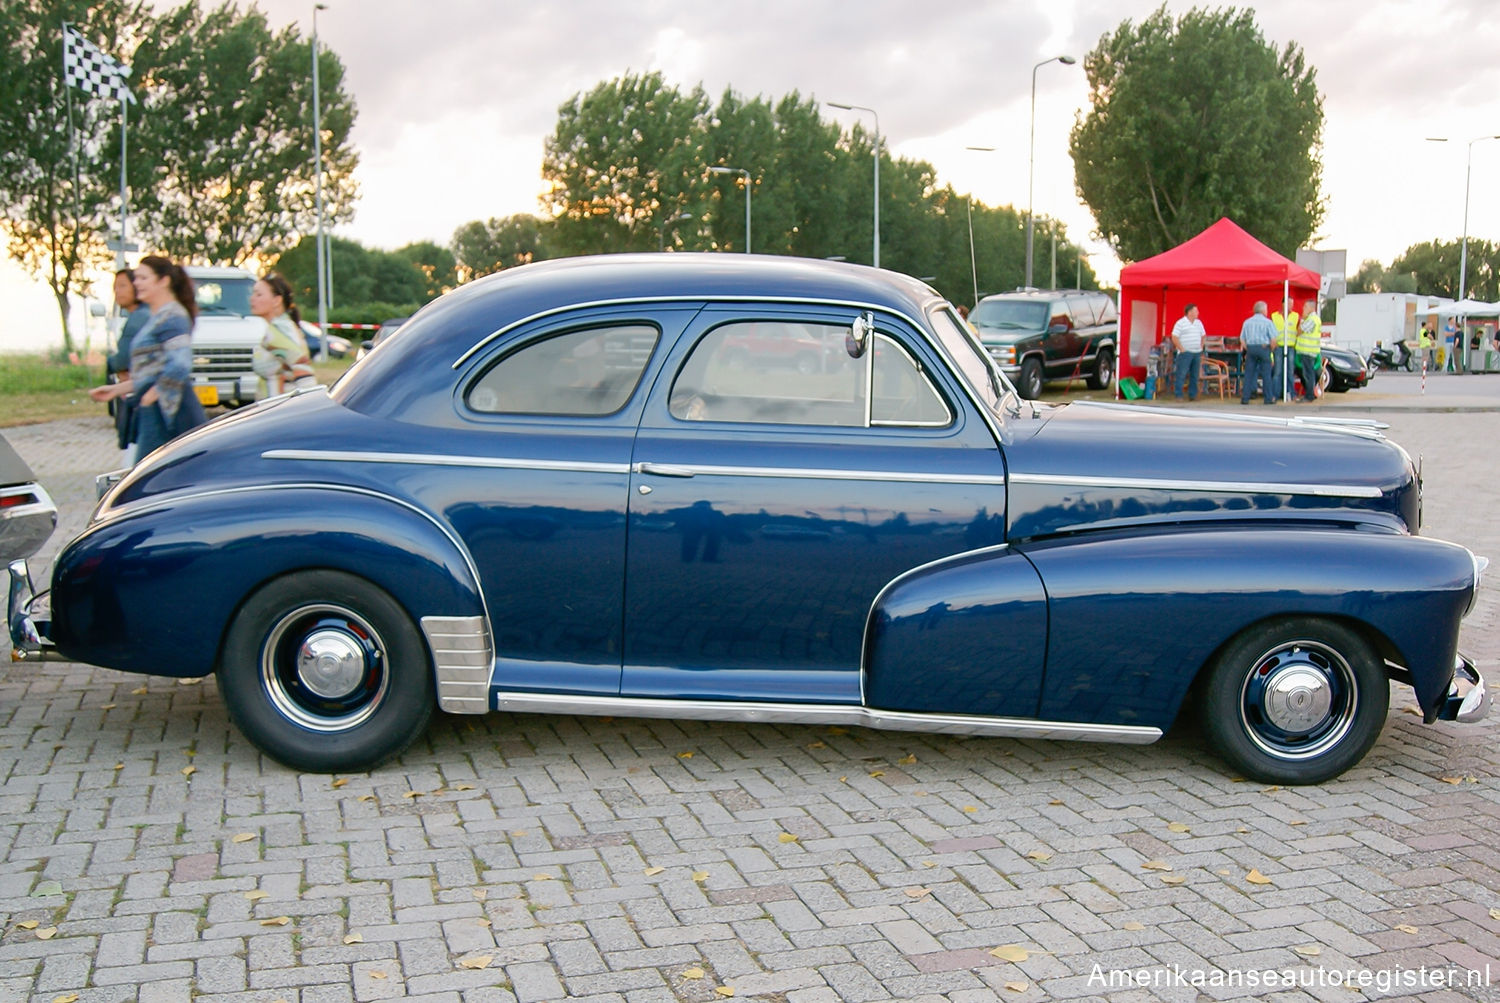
973, 266
746, 174
860, 107
670, 221
1460, 337
1031, 154
318, 184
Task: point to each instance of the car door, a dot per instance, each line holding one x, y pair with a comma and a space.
769, 507
1061, 346
551, 414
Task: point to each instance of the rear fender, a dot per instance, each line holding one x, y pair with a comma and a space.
155, 588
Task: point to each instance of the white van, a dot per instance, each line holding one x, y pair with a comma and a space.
225, 336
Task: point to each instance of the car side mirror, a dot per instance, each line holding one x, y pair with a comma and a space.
1057, 329
858, 338
366, 345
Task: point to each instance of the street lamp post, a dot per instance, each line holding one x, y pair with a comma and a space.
859, 107
1463, 250
746, 174
1031, 155
670, 221
969, 199
318, 185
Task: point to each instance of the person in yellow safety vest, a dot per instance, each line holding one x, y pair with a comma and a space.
1310, 349
1281, 360
1425, 346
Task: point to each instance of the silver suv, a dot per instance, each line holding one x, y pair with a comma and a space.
1050, 334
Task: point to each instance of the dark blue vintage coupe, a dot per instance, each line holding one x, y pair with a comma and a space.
573, 487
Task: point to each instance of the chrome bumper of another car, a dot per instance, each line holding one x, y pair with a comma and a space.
29, 617
1465, 704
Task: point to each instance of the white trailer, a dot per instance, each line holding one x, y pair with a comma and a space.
1367, 318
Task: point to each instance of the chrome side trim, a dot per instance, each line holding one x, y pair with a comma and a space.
1201, 487
824, 473
441, 460
463, 658
840, 714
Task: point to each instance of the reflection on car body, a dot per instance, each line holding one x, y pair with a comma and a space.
554, 492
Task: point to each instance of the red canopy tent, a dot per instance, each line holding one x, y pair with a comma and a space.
1224, 270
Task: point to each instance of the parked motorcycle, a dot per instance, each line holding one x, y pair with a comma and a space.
1401, 357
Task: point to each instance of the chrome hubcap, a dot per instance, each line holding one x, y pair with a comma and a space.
330, 663
323, 667
1297, 698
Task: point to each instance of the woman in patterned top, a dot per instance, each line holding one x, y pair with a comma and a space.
161, 357
281, 360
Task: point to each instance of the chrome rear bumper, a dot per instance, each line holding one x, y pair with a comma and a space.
29, 617
1465, 703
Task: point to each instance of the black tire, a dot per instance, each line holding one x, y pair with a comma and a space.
1104, 370
372, 696
1295, 701
1029, 383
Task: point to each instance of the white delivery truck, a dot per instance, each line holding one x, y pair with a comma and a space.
225, 336
1367, 318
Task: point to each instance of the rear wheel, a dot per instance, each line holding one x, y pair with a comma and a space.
1295, 701
325, 672
1104, 369
1029, 383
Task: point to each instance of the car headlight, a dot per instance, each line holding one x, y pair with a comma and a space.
1004, 353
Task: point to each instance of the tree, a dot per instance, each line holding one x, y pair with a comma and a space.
624, 157
482, 247
1193, 120
1435, 268
437, 266
58, 182
226, 136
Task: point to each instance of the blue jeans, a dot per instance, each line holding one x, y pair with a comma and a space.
1281, 372
1257, 370
1188, 364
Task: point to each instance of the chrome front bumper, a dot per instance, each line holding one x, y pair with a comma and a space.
1467, 699
29, 617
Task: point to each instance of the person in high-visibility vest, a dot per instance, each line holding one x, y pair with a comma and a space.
1310, 349
1281, 360
1425, 343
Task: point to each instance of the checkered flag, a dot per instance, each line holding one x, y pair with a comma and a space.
90, 70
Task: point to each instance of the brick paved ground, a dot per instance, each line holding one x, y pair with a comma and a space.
151, 854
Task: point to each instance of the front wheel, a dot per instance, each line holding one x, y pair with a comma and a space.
325, 672
1104, 370
1029, 383
1295, 701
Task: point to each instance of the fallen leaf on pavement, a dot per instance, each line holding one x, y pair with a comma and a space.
367, 797
138, 691
478, 961
1039, 855
188, 771
907, 760
378, 975
463, 787
877, 773
684, 755
339, 783
1495, 914
700, 876
970, 808
1308, 950
1173, 879
653, 871
481, 921
1451, 780
724, 990
353, 938
413, 794
786, 837
1011, 952
255, 895
276, 921
1156, 865
28, 924
542, 877
1406, 928
1257, 878
46, 933
694, 973
918, 893
1177, 827
1133, 925
1054, 801
480, 894
1018, 987
243, 837
66, 998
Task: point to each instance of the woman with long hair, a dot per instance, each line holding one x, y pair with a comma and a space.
136, 315
282, 360
161, 357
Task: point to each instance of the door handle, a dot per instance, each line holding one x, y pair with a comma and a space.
662, 469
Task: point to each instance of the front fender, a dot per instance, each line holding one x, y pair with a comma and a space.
1134, 617
154, 588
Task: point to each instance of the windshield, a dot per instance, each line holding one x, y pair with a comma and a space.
979, 371
224, 297
1010, 315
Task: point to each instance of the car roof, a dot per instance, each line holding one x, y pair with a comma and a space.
453, 325
216, 272
1042, 294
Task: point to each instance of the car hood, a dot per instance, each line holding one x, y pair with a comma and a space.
1088, 466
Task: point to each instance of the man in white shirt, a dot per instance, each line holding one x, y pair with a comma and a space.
1187, 341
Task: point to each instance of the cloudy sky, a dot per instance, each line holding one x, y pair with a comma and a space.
455, 97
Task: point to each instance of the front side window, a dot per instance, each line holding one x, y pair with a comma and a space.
784, 373
591, 372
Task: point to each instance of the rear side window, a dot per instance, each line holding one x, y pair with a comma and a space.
1106, 310
587, 373
1061, 315
1083, 310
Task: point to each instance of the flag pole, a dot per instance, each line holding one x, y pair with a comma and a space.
124, 198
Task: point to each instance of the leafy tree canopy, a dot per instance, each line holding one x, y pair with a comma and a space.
1193, 119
